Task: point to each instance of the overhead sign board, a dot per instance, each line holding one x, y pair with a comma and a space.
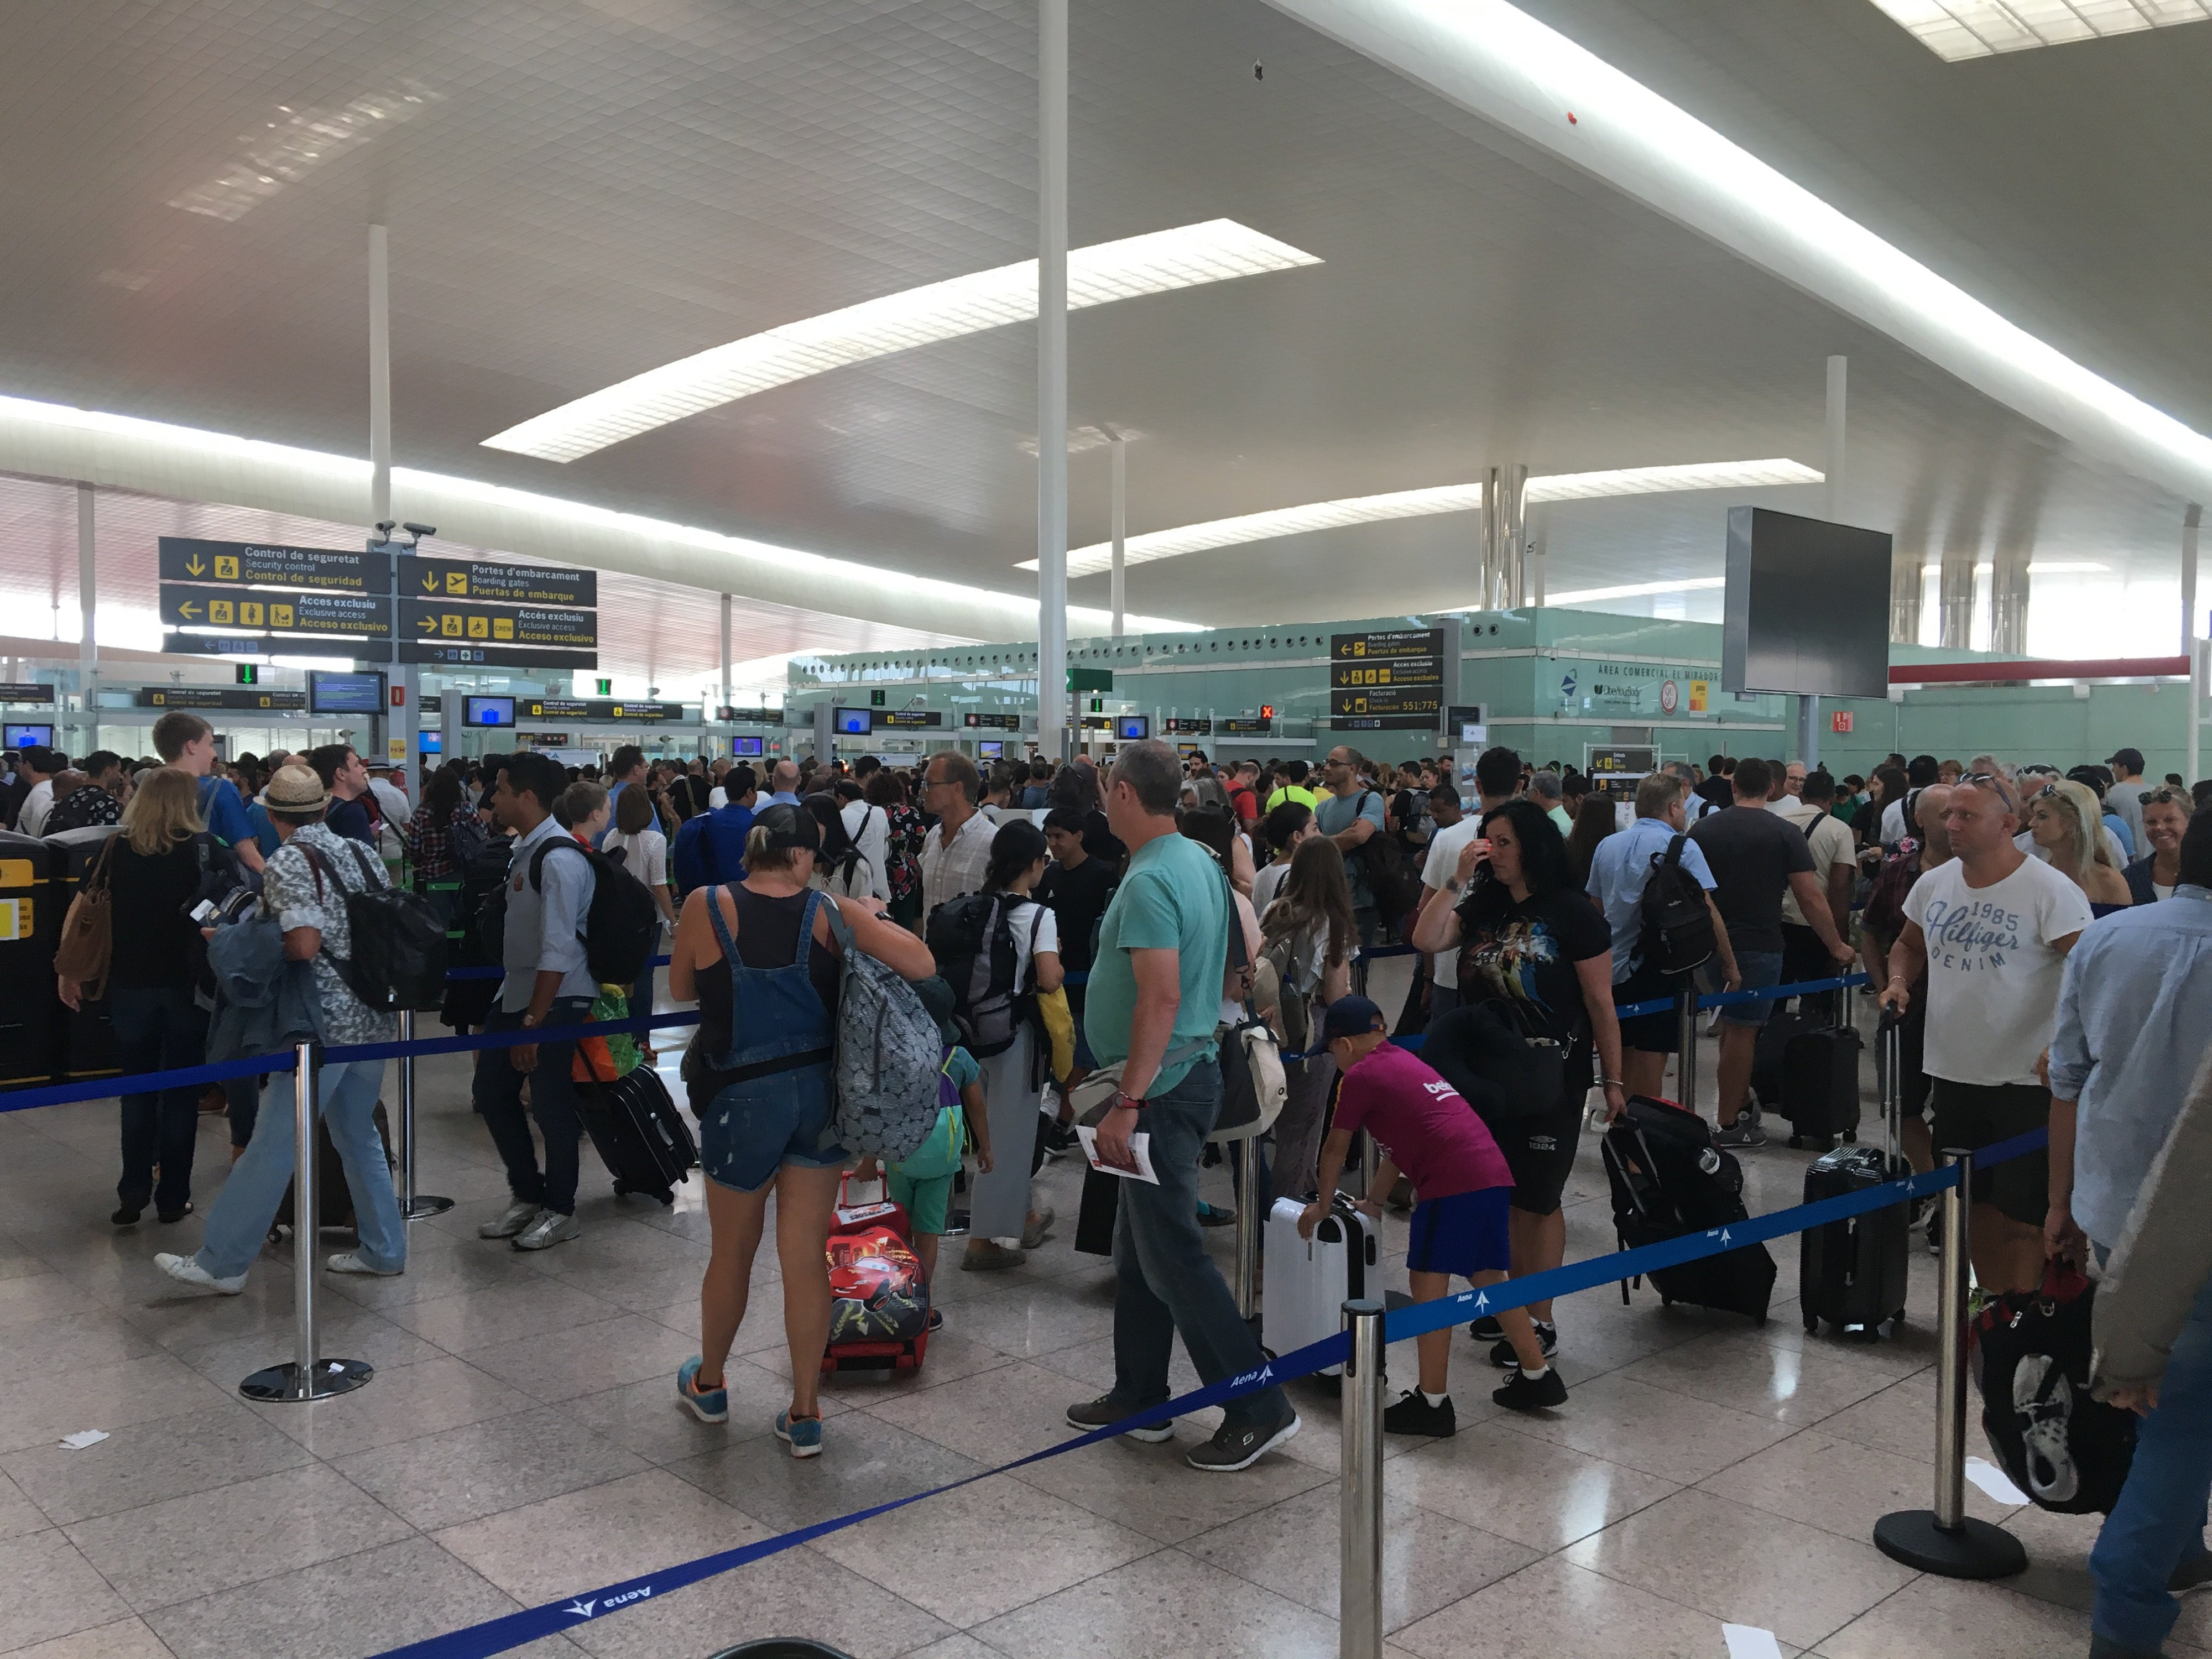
995, 722
1395, 701
220, 696
488, 583
272, 564
1195, 728
451, 621
296, 616
729, 715
1387, 644
588, 709
1384, 723
438, 654
25, 691
1234, 727
895, 720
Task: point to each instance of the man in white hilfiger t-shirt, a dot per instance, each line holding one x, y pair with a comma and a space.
1992, 928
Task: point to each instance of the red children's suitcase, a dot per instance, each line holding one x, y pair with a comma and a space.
880, 1319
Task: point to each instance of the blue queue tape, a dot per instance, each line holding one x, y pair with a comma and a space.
1728, 999
498, 1635
106, 1088
494, 972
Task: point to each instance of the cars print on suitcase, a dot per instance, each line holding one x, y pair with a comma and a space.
880, 1319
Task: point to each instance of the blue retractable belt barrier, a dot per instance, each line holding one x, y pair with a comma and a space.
494, 971
498, 1635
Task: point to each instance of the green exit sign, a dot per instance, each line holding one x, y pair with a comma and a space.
249, 673
875, 699
1091, 679
606, 688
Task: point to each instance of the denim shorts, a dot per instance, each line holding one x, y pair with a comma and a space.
752, 1129
1760, 970
1462, 1234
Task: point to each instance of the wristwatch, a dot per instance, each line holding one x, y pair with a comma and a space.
1134, 1102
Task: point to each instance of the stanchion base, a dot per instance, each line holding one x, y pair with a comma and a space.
1977, 1549
427, 1204
286, 1383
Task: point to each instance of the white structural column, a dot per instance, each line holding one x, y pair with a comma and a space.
1052, 377
1118, 591
725, 675
2190, 522
87, 604
403, 719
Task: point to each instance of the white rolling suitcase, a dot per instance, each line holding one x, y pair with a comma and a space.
1306, 1284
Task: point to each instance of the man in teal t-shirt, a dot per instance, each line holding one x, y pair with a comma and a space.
1153, 1002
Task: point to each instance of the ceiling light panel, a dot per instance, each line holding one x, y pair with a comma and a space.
1189, 256
1957, 29
1421, 503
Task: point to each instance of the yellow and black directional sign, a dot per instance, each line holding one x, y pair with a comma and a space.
448, 620
1387, 700
270, 564
298, 616
498, 584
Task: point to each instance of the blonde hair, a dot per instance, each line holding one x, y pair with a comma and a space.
166, 810
761, 858
2084, 819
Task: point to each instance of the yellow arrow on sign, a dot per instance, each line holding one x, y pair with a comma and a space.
194, 565
429, 584
429, 624
188, 610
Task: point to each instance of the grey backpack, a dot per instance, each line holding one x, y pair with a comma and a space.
887, 1057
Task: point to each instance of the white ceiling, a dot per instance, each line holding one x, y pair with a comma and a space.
584, 189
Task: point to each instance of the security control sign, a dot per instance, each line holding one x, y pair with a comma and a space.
449, 621
272, 564
200, 610
498, 584
896, 720
219, 696
583, 708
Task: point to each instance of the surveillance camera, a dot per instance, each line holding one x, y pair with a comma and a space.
419, 531
652, 691
385, 526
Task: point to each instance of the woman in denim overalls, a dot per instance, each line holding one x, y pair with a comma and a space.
760, 958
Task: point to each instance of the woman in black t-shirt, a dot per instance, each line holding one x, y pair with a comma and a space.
1530, 936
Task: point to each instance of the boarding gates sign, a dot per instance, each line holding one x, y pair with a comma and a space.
1386, 680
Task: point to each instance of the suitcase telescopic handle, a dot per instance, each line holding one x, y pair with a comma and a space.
1890, 1067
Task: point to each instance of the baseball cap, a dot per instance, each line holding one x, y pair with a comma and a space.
1350, 1017
2131, 758
789, 826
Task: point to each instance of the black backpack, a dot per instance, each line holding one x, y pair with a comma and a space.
398, 960
620, 924
972, 936
1396, 888
1678, 924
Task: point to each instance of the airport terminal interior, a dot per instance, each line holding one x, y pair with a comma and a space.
884, 394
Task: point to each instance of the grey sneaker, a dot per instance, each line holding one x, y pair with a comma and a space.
989, 1256
1106, 1411
351, 1262
1232, 1450
510, 1221
1033, 1236
186, 1271
551, 1228
1743, 1132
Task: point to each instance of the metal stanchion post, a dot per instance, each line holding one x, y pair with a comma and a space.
1359, 1592
307, 1375
413, 1205
1685, 1062
1945, 1540
1248, 1227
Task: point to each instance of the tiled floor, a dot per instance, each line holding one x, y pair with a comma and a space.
521, 1443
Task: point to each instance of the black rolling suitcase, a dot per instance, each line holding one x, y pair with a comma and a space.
1852, 1274
1669, 1180
1820, 1083
641, 1136
469, 1001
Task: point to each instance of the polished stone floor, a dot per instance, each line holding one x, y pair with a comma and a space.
521, 1443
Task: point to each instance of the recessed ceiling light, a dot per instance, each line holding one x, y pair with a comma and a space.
1419, 503
1186, 257
1955, 29
285, 154
1635, 591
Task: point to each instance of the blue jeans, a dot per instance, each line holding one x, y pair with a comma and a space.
158, 1028
1167, 1282
497, 1094
2159, 1521
239, 1218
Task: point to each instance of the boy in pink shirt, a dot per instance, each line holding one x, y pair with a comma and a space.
1463, 1187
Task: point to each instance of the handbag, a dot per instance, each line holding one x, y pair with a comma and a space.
1485, 1050
88, 941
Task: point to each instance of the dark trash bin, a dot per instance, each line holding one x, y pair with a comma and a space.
780, 1647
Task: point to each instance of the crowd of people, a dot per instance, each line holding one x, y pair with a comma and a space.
2042, 938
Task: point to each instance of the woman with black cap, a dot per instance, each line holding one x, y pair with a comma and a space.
761, 959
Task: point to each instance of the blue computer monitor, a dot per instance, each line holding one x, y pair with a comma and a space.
854, 722
747, 746
1132, 728
30, 736
430, 743
488, 711
991, 748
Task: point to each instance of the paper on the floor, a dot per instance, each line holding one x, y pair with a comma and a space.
1994, 1481
1139, 1148
1751, 1642
84, 1437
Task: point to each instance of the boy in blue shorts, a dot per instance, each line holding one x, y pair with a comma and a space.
1462, 1187
922, 1182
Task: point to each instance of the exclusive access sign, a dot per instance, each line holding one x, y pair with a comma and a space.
203, 610
444, 621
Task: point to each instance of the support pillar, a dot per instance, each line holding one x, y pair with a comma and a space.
1118, 592
403, 714
87, 604
1051, 379
2190, 522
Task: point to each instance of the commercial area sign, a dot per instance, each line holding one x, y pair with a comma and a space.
220, 696
589, 708
272, 564
489, 583
1628, 689
448, 620
298, 615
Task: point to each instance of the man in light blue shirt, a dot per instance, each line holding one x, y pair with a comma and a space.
2135, 1016
785, 780
549, 896
1618, 869
1351, 814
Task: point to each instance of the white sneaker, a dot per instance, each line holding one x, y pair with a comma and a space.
510, 1221
351, 1262
551, 1228
186, 1271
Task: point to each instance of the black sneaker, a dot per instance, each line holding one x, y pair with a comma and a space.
2193, 1574
1522, 1393
1936, 1234
1547, 1338
1057, 1139
1232, 1450
1106, 1411
1413, 1414
1486, 1329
